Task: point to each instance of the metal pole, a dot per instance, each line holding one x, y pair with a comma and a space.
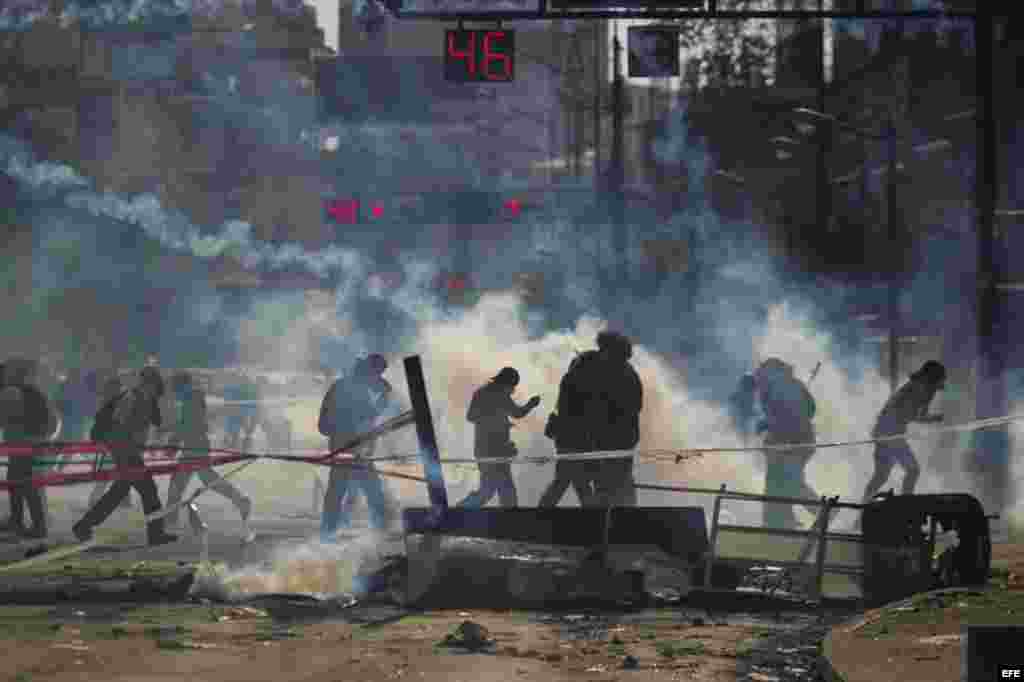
618, 179
712, 550
425, 432
894, 286
992, 446
598, 87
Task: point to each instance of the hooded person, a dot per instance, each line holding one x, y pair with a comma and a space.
27, 419
789, 409
908, 404
352, 406
190, 431
134, 414
489, 411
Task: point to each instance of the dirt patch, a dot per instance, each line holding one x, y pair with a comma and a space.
918, 640
235, 643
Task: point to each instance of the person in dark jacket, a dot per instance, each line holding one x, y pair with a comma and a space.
789, 409
909, 404
616, 399
27, 419
489, 412
600, 400
135, 413
110, 390
568, 428
352, 406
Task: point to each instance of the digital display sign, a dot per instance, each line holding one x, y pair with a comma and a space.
472, 55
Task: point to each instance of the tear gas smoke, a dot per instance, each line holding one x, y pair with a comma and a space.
745, 309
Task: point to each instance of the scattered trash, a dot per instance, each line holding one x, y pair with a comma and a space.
72, 647
240, 613
599, 668
630, 663
940, 640
763, 677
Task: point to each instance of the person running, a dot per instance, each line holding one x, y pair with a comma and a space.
489, 411
789, 410
909, 404
112, 389
134, 414
351, 406
190, 432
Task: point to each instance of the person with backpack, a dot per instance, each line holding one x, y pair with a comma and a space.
191, 432
909, 403
789, 409
109, 393
351, 406
27, 420
489, 411
124, 425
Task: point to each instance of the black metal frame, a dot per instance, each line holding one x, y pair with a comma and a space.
546, 13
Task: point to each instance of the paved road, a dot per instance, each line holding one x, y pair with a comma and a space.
272, 531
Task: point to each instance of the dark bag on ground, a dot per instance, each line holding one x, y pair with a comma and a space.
103, 426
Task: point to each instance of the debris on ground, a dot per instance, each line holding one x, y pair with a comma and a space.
469, 635
630, 663
241, 613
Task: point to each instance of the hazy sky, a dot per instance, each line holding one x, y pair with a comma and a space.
327, 18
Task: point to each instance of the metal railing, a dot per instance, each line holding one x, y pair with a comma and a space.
817, 535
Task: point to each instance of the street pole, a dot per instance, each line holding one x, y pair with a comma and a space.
599, 55
991, 446
618, 179
894, 244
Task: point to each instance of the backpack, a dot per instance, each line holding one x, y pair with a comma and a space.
103, 426
37, 411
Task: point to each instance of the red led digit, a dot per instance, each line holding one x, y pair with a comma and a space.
469, 54
489, 57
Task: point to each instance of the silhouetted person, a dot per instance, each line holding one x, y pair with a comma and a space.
789, 408
191, 432
489, 412
135, 412
616, 397
909, 404
112, 388
351, 406
600, 398
27, 420
742, 406
569, 429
